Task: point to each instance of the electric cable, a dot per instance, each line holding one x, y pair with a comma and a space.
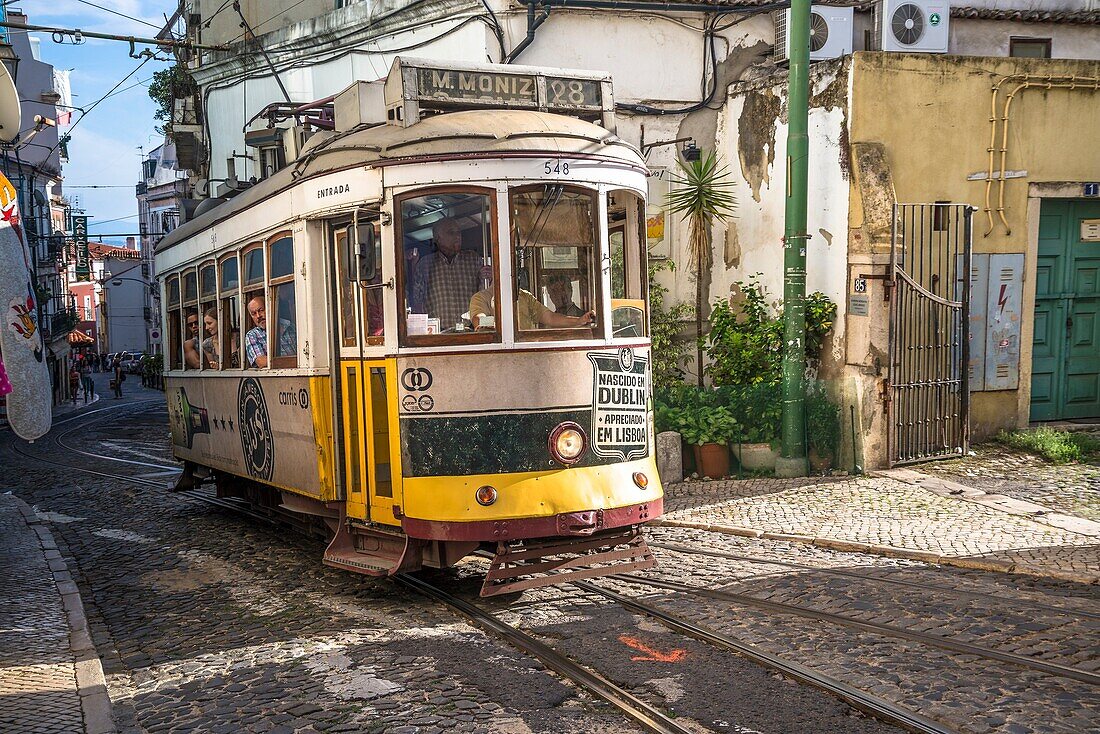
262, 22
123, 15
93, 105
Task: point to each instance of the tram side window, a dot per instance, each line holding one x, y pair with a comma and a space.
230, 322
255, 339
192, 326
446, 268
208, 316
175, 339
626, 227
284, 342
556, 276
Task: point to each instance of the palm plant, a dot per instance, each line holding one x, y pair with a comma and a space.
703, 193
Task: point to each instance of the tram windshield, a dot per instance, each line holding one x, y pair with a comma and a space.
554, 236
448, 254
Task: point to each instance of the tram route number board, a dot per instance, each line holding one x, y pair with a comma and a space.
521, 90
620, 415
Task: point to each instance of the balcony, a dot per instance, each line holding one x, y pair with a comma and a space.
62, 322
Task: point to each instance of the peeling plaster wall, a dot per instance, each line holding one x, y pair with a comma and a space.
755, 143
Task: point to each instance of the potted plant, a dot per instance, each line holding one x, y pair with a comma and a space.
758, 410
822, 428
707, 429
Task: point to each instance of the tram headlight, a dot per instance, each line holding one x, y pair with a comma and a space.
485, 495
568, 443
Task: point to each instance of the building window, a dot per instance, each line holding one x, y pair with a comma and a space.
1029, 48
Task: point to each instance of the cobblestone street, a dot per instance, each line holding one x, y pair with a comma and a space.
206, 620
1001, 509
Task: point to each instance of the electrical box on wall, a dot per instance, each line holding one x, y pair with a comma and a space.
996, 298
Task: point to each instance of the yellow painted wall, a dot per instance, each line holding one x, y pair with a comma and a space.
932, 115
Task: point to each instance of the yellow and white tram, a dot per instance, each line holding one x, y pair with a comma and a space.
431, 333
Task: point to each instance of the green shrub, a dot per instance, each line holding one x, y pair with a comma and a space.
1057, 447
758, 410
745, 343
704, 424
822, 421
669, 352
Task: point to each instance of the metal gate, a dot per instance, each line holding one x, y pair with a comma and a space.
927, 394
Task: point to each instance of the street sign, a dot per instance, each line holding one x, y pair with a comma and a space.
83, 256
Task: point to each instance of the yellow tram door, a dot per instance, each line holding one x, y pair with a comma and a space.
365, 379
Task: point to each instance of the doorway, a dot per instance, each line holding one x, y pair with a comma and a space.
1065, 363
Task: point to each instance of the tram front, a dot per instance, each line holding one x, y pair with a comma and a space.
521, 373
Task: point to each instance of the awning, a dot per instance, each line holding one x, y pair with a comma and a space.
79, 338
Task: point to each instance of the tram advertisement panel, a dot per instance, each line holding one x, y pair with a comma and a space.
258, 427
494, 412
620, 416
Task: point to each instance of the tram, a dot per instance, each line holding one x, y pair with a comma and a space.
428, 332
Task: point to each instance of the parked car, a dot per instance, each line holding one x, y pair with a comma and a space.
131, 362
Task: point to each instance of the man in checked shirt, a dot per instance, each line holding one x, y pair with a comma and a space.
443, 281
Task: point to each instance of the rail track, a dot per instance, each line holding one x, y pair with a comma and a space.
1056, 669
916, 585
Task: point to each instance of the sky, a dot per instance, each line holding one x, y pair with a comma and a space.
105, 146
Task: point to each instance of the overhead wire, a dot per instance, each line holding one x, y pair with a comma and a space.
93, 105
122, 15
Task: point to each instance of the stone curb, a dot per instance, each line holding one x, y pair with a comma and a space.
91, 684
1030, 510
889, 551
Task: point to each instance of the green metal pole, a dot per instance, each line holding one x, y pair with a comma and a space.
792, 461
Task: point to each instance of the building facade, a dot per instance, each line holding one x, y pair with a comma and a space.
33, 165
895, 119
160, 193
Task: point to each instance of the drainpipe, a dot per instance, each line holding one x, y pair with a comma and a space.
533, 24
792, 458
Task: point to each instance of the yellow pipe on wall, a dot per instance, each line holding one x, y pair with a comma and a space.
1050, 82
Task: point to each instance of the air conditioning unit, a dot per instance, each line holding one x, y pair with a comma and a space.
830, 33
912, 25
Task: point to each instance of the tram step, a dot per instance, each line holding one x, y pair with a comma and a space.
560, 560
372, 553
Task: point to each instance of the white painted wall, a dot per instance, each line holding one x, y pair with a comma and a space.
991, 38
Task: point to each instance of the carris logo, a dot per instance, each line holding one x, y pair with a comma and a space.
333, 190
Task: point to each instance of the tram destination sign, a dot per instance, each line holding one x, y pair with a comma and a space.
506, 89
620, 415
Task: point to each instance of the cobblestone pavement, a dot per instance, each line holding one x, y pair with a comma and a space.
1037, 618
210, 622
881, 514
1070, 488
38, 688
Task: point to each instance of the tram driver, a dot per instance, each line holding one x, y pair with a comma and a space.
443, 281
530, 313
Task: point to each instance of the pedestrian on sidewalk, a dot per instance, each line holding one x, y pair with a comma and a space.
119, 376
86, 382
74, 382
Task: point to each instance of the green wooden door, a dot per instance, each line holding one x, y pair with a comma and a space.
1065, 376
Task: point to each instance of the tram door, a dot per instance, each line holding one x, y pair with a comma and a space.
366, 382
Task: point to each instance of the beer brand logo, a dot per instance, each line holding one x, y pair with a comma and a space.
257, 442
620, 405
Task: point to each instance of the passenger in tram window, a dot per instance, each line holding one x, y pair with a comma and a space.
210, 343
256, 338
559, 286
443, 281
530, 313
191, 348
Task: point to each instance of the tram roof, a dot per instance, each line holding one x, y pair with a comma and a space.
476, 132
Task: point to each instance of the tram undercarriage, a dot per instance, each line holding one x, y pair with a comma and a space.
588, 544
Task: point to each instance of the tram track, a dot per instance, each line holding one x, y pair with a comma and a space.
868, 703
915, 585
965, 648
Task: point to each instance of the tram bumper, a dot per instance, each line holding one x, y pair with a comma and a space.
533, 564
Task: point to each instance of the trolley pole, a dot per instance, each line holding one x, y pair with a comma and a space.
792, 459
